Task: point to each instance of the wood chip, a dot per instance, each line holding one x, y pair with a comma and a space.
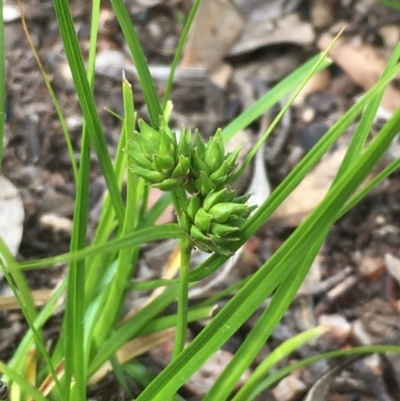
371, 268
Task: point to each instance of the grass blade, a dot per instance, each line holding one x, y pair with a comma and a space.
294, 177
247, 391
270, 274
109, 313
365, 350
273, 96
156, 233
178, 52
149, 90
86, 100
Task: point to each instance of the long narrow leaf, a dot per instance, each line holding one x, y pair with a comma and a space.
271, 316
86, 101
364, 126
109, 313
139, 237
251, 295
273, 378
273, 96
293, 178
247, 391
178, 52
149, 90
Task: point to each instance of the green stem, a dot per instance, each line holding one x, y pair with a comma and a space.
179, 199
186, 246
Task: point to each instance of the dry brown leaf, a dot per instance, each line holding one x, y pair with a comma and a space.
40, 297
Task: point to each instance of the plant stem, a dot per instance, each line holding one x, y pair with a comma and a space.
186, 246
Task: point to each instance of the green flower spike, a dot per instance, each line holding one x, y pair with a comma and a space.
214, 222
211, 168
158, 158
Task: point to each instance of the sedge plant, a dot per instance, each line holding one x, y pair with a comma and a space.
95, 337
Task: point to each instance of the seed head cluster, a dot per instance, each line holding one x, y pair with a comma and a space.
213, 214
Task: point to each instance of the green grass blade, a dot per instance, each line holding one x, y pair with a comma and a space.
22, 294
185, 247
390, 4
114, 301
119, 374
149, 284
364, 126
86, 101
106, 228
284, 109
149, 90
273, 96
18, 358
166, 231
268, 276
364, 350
75, 300
391, 168
247, 391
17, 279
76, 356
271, 316
24, 384
293, 178
132, 327
178, 52
142, 375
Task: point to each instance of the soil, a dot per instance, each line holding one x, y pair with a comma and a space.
36, 161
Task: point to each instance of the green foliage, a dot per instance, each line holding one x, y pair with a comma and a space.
391, 4
211, 216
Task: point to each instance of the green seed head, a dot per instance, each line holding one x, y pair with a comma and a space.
216, 220
211, 169
214, 152
193, 207
157, 157
213, 198
203, 220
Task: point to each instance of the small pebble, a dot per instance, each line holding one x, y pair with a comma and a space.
339, 330
371, 268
